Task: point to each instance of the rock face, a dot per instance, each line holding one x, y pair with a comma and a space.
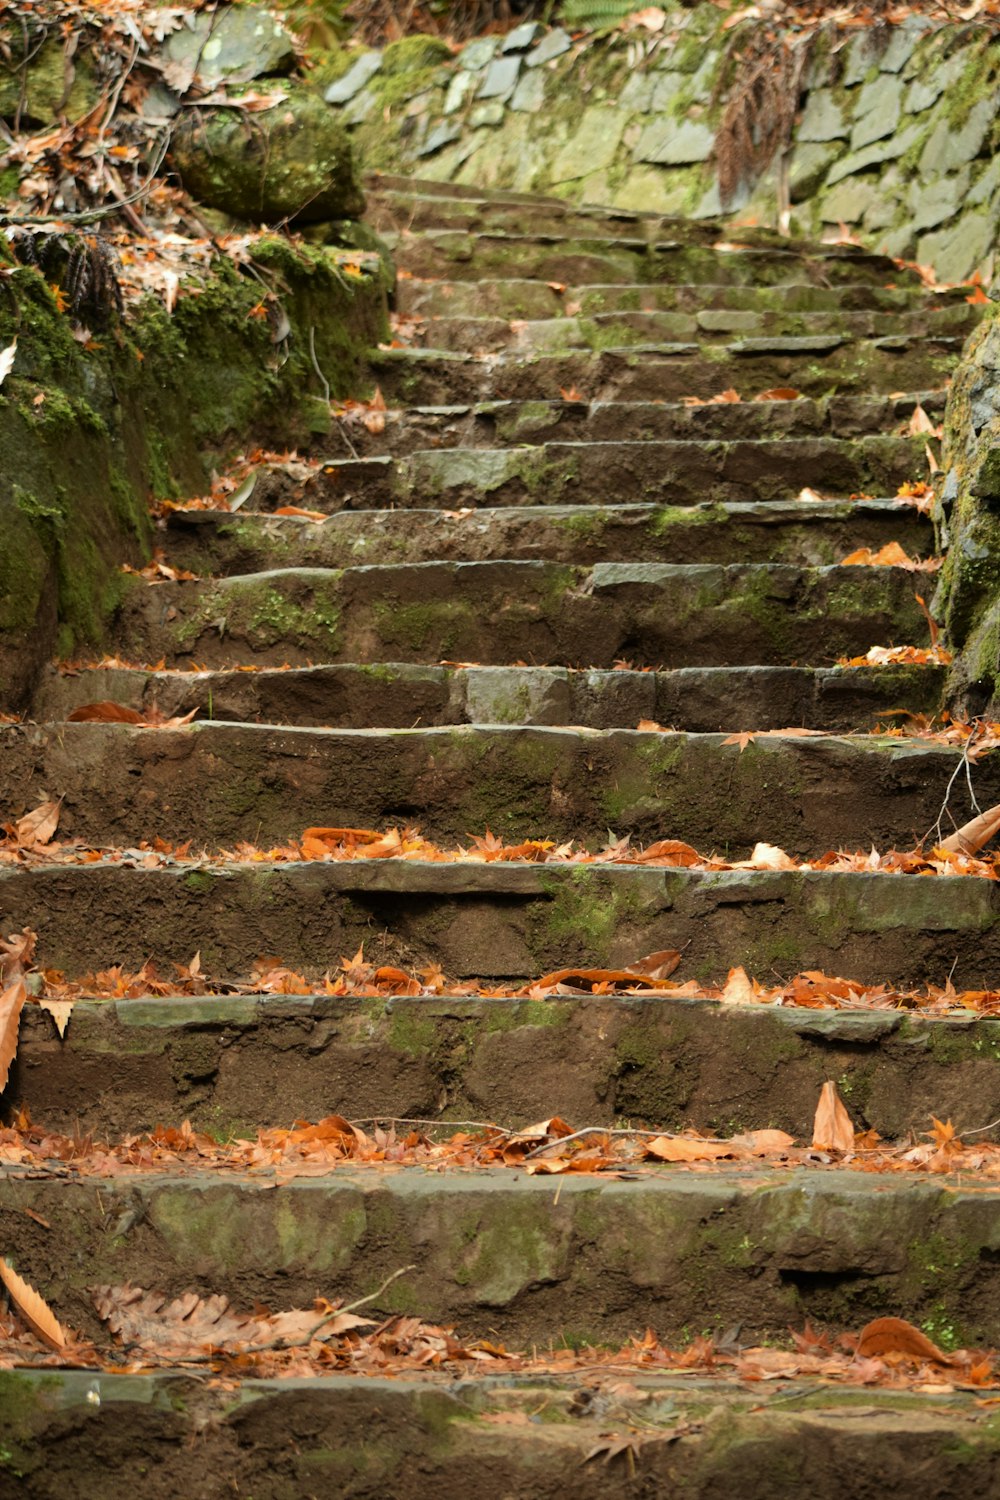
968, 515
290, 162
896, 135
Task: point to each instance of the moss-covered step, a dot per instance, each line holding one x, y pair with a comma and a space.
669, 372
219, 783
395, 695
623, 259
816, 533
620, 329
526, 297
652, 614
673, 473
453, 1430
494, 1250
493, 424
239, 1063
510, 922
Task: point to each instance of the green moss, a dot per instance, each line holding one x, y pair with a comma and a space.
411, 54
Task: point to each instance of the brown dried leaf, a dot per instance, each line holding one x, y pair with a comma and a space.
11, 1004
104, 712
37, 827
896, 1336
33, 1308
832, 1128
59, 1010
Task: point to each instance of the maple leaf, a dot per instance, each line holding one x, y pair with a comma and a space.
743, 738
832, 1128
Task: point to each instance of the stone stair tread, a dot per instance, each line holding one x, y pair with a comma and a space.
810, 533
641, 372
509, 921
671, 470
397, 694
492, 1252
217, 783
248, 1061
656, 614
443, 1430
818, 331
526, 297
496, 424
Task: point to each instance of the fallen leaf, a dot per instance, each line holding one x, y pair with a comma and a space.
738, 988
11, 1004
37, 827
832, 1128
33, 1308
104, 712
59, 1010
896, 1336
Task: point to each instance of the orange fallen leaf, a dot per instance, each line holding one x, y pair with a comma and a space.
896, 1336
104, 712
738, 988
11, 1004
832, 1128
38, 826
779, 393
33, 1308
686, 1148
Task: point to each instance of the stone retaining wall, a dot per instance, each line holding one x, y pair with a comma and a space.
895, 139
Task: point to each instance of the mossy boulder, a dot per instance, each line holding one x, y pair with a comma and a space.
290, 162
46, 88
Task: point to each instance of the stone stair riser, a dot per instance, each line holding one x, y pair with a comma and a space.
511, 923
222, 783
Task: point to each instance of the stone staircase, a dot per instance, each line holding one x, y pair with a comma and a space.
544, 547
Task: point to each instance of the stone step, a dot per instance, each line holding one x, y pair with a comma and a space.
431, 377
235, 1064
673, 472
494, 1252
508, 922
620, 329
398, 695
813, 533
444, 1431
489, 424
595, 257
544, 614
526, 297
220, 783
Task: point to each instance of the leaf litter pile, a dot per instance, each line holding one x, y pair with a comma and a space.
150, 1331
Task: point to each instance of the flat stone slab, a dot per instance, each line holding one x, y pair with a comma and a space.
651, 613
494, 1250
221, 783
395, 695
671, 472
238, 1063
786, 531
664, 372
455, 1428
510, 922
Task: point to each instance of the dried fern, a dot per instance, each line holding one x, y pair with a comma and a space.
766, 70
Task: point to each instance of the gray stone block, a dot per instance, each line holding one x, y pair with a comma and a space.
521, 38
986, 184
879, 107
665, 91
872, 156
902, 43
459, 90
810, 164
955, 252
859, 59
478, 53
236, 43
529, 96
638, 93
948, 148
487, 114
553, 44
822, 119
342, 90
442, 135
501, 78
849, 201
675, 143
933, 202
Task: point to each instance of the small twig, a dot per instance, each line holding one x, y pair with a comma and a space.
588, 1130
963, 763
315, 363
980, 1129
